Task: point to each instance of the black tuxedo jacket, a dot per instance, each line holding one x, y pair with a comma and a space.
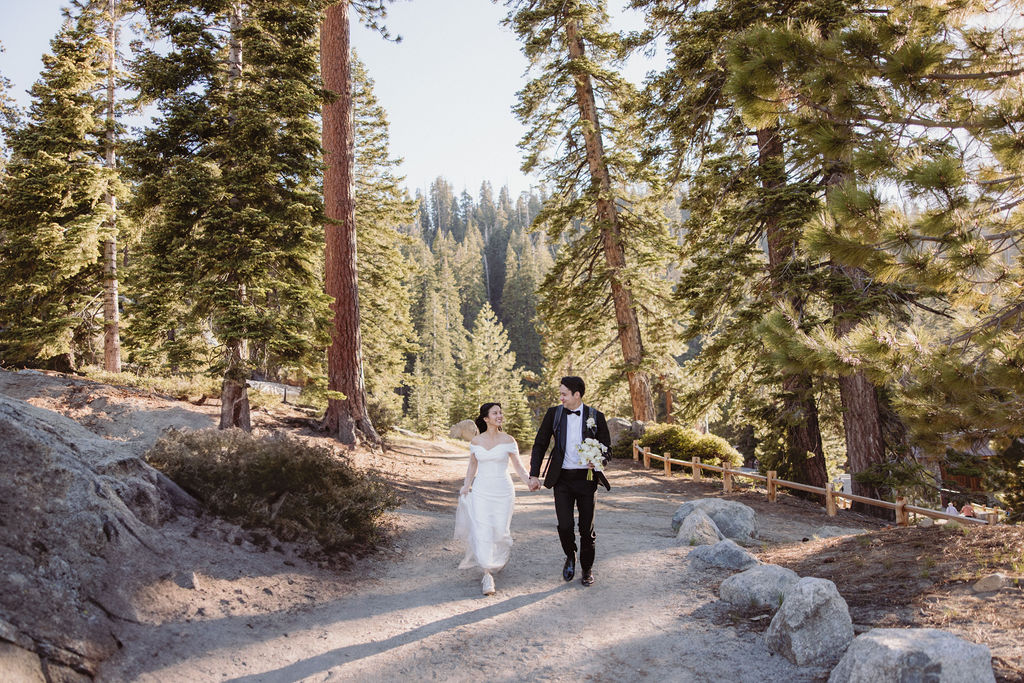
549, 429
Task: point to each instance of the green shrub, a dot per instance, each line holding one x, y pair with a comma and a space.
300, 492
685, 443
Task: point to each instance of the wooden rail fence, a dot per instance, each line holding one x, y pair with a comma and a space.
772, 483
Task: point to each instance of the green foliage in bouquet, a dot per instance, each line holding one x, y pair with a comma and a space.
685, 443
299, 492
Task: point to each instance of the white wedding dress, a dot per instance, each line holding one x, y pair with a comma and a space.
484, 515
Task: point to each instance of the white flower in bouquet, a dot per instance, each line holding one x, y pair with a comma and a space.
591, 452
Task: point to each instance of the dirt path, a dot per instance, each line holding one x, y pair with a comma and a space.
411, 615
220, 609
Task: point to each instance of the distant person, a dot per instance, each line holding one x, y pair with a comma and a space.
951, 509
484, 515
967, 510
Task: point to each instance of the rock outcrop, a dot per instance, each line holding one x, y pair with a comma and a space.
75, 509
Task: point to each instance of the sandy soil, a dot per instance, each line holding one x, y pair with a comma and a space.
221, 609
410, 614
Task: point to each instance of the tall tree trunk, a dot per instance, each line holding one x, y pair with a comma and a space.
608, 223
862, 417
347, 417
803, 433
234, 396
111, 315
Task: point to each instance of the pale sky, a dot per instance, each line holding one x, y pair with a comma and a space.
448, 87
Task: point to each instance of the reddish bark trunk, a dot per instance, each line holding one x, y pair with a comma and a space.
862, 419
608, 223
348, 417
234, 395
111, 315
803, 432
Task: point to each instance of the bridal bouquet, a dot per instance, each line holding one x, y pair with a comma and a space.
592, 453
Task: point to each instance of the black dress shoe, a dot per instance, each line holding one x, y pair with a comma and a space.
569, 570
588, 578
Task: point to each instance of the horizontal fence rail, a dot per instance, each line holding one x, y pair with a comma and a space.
772, 483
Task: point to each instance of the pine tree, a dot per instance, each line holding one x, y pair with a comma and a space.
227, 176
52, 206
912, 102
442, 342
385, 275
489, 373
519, 301
468, 264
607, 279
747, 204
8, 116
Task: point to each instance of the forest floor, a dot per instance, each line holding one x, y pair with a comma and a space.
224, 610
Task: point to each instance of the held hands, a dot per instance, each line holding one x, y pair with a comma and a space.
534, 483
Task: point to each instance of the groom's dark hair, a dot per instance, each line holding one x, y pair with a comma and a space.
574, 384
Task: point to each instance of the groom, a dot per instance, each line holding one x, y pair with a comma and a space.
571, 423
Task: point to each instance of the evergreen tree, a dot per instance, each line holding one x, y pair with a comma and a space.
469, 273
911, 102
747, 202
519, 301
8, 116
227, 175
608, 279
385, 275
489, 373
52, 205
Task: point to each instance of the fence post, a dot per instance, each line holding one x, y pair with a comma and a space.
830, 498
771, 486
647, 456
695, 463
727, 480
991, 517
636, 450
668, 464
902, 516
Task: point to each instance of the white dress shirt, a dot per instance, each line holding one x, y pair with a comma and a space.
573, 438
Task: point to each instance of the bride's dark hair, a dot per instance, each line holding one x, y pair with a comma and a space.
484, 410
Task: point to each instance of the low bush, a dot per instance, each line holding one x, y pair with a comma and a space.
299, 492
685, 443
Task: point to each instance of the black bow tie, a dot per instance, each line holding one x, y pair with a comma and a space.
574, 412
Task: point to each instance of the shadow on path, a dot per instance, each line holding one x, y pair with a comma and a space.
344, 655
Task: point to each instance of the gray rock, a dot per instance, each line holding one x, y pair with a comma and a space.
620, 430
19, 665
76, 510
698, 529
187, 580
725, 554
735, 520
992, 582
464, 430
813, 626
759, 588
834, 531
913, 654
638, 428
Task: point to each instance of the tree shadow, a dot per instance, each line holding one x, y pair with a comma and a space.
351, 653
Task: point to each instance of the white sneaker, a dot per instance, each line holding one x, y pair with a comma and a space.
488, 584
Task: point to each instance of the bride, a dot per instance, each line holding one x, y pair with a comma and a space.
487, 497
